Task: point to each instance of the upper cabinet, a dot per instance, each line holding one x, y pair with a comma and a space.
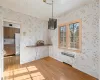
69, 36
9, 32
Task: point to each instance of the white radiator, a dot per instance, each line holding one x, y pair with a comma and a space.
68, 58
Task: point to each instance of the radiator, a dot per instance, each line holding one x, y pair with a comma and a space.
67, 54
68, 58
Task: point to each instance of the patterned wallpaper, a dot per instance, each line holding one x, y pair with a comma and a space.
87, 61
1, 47
32, 29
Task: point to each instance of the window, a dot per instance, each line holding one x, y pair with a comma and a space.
62, 36
70, 36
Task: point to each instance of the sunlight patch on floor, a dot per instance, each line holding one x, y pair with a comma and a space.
32, 68
26, 73
37, 76
20, 71
8, 73
22, 77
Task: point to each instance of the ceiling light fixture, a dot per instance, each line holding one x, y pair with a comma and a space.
52, 23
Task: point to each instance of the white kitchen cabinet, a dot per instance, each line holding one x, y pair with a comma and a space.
42, 52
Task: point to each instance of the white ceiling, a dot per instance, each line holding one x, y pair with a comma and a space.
37, 8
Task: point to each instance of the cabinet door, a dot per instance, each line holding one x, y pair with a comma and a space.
6, 32
42, 52
9, 32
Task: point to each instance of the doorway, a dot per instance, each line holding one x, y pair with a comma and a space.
11, 35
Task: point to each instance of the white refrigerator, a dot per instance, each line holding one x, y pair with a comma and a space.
17, 43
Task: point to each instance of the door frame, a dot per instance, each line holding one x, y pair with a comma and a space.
12, 21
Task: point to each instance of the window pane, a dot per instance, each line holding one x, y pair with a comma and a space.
71, 33
72, 39
77, 45
63, 36
76, 26
76, 29
61, 39
64, 40
61, 29
72, 45
71, 30
61, 44
74, 35
64, 31
76, 39
71, 26
64, 44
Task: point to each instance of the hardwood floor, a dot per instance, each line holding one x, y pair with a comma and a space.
43, 69
9, 49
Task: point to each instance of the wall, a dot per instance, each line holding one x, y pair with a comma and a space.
14, 25
1, 45
87, 60
99, 45
99, 40
32, 29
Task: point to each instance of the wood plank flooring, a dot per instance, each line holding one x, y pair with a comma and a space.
43, 69
9, 49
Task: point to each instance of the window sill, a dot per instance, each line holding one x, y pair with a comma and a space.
71, 49
62, 47
74, 50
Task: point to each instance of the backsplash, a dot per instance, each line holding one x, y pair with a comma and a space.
87, 60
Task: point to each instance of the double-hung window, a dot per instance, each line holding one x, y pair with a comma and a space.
70, 36
62, 36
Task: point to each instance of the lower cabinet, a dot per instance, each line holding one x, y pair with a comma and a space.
42, 52
32, 54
